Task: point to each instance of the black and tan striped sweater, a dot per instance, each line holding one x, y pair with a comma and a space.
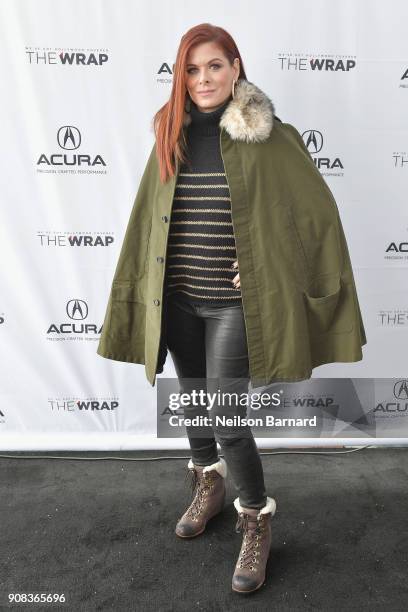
201, 243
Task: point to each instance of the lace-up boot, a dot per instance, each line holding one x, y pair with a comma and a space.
208, 488
250, 568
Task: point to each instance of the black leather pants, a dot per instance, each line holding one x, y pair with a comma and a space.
208, 344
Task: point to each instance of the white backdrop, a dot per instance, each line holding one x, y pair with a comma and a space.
83, 79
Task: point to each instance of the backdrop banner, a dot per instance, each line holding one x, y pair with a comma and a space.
81, 82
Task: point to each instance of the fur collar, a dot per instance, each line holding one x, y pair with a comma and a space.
249, 116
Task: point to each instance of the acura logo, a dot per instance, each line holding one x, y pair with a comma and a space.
69, 137
401, 389
313, 140
77, 309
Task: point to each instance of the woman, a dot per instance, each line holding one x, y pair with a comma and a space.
230, 195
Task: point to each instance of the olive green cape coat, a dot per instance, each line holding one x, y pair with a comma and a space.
299, 298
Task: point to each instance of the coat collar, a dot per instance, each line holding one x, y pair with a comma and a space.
249, 115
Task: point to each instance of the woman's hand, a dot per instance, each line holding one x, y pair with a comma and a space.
235, 281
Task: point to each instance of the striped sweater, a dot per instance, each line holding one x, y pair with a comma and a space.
201, 243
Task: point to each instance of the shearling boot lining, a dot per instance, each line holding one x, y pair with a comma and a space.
220, 466
270, 506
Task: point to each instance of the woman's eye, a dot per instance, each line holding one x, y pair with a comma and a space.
216, 65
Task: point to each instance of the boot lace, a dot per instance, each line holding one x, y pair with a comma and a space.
252, 528
201, 486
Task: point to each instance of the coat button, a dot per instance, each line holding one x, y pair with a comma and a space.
160, 259
165, 218
156, 302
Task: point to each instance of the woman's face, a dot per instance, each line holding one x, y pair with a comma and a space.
208, 69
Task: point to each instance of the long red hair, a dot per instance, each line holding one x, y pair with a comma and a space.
168, 121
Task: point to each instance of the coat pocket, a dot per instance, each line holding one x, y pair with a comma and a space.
128, 314
329, 303
128, 292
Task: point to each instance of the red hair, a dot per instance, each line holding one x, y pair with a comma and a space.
168, 121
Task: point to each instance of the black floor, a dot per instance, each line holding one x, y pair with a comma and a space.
102, 533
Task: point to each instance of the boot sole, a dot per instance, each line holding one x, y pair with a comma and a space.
247, 592
194, 535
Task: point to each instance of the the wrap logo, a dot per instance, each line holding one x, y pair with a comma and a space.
397, 317
53, 239
318, 63
72, 57
88, 404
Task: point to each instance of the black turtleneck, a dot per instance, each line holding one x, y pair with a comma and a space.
201, 243
206, 123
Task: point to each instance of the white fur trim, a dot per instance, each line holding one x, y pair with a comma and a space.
249, 114
220, 466
270, 506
